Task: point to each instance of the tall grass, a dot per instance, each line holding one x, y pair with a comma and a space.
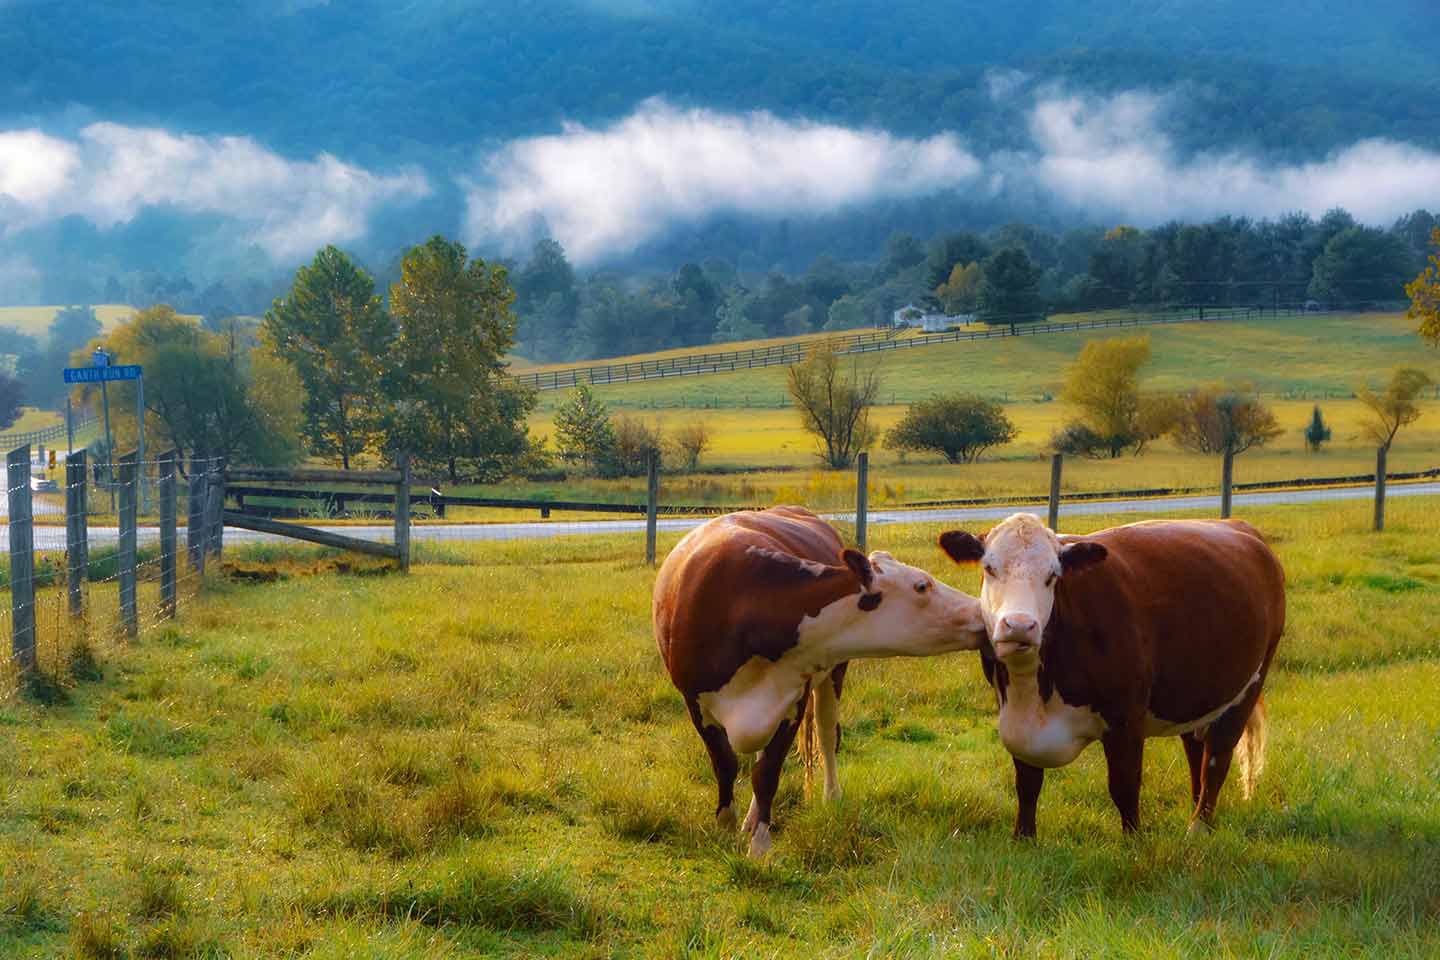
485, 758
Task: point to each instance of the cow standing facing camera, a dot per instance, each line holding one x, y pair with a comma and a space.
757, 615
1159, 628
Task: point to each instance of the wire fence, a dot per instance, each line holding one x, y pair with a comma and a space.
80, 577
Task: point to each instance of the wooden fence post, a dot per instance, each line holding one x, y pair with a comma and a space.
22, 561
129, 612
862, 497
1227, 477
1380, 456
215, 508
402, 512
77, 542
1055, 462
652, 496
168, 540
195, 517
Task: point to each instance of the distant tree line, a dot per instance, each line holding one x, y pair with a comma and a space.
1017, 273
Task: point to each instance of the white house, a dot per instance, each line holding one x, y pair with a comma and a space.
929, 321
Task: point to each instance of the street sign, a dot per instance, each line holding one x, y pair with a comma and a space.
102, 374
100, 358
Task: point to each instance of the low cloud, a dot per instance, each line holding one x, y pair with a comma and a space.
602, 192
1110, 156
110, 172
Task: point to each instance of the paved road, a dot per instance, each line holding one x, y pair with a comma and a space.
53, 538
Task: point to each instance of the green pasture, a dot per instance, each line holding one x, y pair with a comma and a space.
1314, 355
485, 758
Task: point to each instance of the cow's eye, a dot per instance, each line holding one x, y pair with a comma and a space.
922, 586
989, 570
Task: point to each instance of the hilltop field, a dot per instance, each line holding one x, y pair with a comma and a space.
35, 321
485, 758
1296, 362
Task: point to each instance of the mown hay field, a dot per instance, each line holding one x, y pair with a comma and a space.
35, 321
485, 758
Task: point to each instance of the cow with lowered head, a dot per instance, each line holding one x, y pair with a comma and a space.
1160, 628
757, 616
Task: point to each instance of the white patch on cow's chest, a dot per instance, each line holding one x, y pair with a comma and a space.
1045, 733
751, 704
1156, 727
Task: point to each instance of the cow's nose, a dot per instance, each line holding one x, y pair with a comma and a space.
1018, 624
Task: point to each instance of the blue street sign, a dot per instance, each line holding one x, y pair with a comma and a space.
98, 374
100, 358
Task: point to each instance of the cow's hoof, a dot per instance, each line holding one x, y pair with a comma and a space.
725, 817
752, 817
1198, 828
760, 841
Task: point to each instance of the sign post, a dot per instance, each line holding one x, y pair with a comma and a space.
101, 371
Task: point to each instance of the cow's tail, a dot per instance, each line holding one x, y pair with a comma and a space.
1251, 748
807, 741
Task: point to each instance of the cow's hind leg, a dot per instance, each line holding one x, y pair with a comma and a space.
1195, 754
1124, 760
827, 721
722, 760
1220, 743
765, 778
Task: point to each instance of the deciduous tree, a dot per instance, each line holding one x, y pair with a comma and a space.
460, 407
334, 331
1103, 384
583, 432
1424, 294
833, 398
1397, 406
1224, 420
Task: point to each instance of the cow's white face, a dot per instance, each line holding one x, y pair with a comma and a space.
904, 611
1021, 561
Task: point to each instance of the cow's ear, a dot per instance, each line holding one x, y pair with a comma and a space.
859, 565
962, 546
1081, 555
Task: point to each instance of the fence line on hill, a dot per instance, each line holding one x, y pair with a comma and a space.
697, 364
9, 441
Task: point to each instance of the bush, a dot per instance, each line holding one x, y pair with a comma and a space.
960, 426
635, 442
686, 445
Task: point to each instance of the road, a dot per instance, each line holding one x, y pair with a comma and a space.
53, 537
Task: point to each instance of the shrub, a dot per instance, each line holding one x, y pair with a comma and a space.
960, 426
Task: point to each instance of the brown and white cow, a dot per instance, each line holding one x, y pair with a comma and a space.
1160, 628
753, 611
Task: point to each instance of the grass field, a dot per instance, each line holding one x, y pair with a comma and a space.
35, 321
486, 759
1313, 355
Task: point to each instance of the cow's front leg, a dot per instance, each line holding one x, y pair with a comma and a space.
765, 778
1124, 757
722, 761
1028, 781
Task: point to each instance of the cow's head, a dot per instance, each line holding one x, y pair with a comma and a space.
1021, 561
904, 611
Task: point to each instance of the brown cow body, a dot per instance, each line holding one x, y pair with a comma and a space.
1160, 628
754, 611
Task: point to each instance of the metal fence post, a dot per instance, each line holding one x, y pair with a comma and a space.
22, 560
862, 497
1380, 456
129, 612
1227, 477
652, 495
77, 542
168, 540
195, 517
1055, 464
402, 512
